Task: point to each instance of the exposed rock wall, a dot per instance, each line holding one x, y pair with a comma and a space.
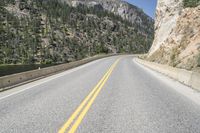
177, 35
167, 15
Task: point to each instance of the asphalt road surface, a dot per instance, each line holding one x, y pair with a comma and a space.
111, 95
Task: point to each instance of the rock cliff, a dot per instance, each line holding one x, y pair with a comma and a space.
177, 35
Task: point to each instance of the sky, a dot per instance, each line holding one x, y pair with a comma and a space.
149, 6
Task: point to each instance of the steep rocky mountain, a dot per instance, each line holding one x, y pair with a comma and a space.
127, 11
59, 31
177, 34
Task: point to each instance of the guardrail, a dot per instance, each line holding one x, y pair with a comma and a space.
7, 82
186, 77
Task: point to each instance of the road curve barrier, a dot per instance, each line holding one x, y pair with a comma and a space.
186, 77
9, 81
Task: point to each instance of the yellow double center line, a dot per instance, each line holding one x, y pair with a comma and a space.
83, 108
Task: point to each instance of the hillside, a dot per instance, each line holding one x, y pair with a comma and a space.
127, 11
177, 35
53, 31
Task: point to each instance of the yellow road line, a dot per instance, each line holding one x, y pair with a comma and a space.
74, 115
77, 111
84, 112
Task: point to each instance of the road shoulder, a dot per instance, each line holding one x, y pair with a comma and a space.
188, 92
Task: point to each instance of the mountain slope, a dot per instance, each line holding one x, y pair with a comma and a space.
51, 31
127, 11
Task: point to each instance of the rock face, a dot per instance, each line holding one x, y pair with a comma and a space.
177, 35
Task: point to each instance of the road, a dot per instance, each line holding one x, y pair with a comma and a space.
111, 95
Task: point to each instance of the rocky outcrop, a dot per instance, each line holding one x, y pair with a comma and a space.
177, 35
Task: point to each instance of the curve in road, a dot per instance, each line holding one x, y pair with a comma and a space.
132, 100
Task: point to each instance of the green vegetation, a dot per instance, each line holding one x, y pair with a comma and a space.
191, 3
51, 32
198, 60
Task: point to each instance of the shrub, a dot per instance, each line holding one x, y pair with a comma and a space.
198, 61
191, 3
